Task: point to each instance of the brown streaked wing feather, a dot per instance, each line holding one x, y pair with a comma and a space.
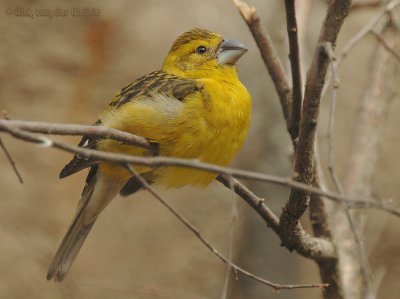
146, 86
158, 81
182, 89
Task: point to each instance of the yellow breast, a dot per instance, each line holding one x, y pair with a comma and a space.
212, 128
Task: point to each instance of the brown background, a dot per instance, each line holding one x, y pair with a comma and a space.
65, 69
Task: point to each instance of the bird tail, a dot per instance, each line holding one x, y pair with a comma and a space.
68, 250
98, 192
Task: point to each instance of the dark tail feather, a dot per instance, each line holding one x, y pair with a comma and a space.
76, 234
97, 194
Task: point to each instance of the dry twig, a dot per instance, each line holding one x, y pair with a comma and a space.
11, 160
231, 235
77, 130
384, 43
365, 4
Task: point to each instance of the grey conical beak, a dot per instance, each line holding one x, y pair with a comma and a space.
229, 51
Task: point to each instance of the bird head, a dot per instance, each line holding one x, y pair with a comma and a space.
198, 53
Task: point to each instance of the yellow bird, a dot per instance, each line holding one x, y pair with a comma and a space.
194, 107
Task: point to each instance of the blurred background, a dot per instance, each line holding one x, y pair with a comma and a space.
65, 69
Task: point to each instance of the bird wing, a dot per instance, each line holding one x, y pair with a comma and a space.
158, 82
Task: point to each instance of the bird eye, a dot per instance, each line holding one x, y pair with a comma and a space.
201, 50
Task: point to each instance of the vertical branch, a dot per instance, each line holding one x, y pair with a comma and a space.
328, 268
331, 121
295, 115
298, 200
359, 250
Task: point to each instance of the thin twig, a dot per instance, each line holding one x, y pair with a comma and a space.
294, 56
331, 121
197, 233
365, 30
231, 235
368, 28
187, 163
365, 4
11, 160
386, 45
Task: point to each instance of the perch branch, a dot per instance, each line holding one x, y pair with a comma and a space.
355, 203
77, 130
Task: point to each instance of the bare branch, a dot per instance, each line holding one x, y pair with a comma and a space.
331, 121
77, 130
269, 55
366, 30
380, 90
257, 203
382, 40
197, 233
231, 235
298, 200
360, 250
365, 4
319, 217
296, 72
389, 7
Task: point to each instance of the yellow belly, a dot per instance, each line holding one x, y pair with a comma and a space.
210, 126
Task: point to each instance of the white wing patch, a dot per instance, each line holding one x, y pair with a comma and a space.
149, 113
169, 106
86, 143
